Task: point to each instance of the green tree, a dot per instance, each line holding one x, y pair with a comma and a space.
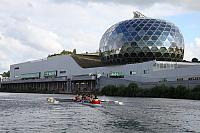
6, 74
181, 91
195, 60
74, 51
65, 52
132, 89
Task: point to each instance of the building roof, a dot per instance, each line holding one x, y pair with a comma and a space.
87, 60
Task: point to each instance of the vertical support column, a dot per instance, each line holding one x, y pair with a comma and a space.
48, 88
62, 85
57, 88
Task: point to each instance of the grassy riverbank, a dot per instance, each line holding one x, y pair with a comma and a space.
162, 91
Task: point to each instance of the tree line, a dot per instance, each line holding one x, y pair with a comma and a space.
5, 74
161, 91
64, 52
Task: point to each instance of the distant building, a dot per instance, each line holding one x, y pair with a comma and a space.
143, 50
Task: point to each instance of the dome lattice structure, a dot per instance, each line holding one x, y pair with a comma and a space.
141, 39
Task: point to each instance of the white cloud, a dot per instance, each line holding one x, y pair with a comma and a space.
13, 50
32, 29
41, 39
22, 41
187, 4
163, 9
192, 50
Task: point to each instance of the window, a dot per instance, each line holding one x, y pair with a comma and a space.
163, 80
116, 75
62, 72
16, 68
132, 72
146, 71
50, 74
179, 79
30, 75
194, 78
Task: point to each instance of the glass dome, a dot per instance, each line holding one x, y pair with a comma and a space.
141, 39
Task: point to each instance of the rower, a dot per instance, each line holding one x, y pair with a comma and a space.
78, 98
96, 100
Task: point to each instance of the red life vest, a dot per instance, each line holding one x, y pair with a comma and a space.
96, 101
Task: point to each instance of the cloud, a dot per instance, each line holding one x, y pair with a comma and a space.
32, 29
21, 40
12, 51
15, 50
40, 39
192, 50
162, 9
187, 4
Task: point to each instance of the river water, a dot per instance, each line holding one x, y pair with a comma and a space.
24, 113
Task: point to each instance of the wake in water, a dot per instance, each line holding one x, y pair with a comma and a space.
106, 99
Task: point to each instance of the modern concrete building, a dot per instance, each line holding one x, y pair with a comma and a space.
143, 50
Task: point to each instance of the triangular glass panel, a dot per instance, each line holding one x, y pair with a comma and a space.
173, 45
154, 48
150, 43
131, 29
145, 38
149, 32
167, 43
135, 25
134, 44
162, 38
162, 49
141, 32
141, 43
167, 29
137, 49
137, 38
170, 38
137, 28
158, 43
146, 49
154, 37
165, 33
129, 50
130, 39
133, 33
153, 28
171, 50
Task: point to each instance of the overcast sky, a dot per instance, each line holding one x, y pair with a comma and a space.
32, 29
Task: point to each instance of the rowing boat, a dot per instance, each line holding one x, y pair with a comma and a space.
91, 104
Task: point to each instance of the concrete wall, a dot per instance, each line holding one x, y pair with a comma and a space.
104, 81
68, 64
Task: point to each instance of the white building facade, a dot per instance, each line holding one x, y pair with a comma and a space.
66, 66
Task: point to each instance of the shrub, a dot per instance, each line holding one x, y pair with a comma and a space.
161, 91
181, 92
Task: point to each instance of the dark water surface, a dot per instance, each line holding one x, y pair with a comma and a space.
26, 113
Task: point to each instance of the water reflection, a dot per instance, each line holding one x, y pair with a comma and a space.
31, 113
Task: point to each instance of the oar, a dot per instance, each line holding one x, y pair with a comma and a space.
109, 101
64, 100
117, 102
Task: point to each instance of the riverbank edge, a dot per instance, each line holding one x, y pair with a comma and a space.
161, 91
